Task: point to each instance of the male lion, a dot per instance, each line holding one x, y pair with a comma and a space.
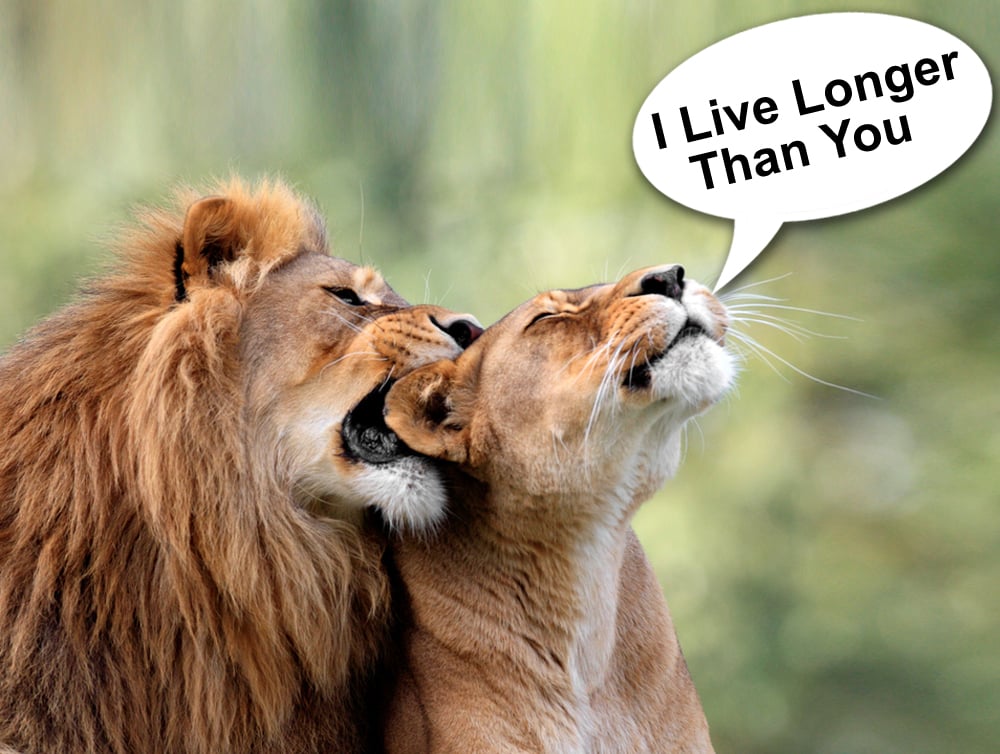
533, 620
186, 457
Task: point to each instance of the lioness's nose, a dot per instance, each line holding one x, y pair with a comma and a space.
669, 282
463, 328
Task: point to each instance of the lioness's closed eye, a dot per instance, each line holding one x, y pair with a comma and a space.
534, 620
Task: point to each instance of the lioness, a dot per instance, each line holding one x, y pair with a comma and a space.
186, 457
533, 622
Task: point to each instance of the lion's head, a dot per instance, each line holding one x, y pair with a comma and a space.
581, 389
313, 344
186, 458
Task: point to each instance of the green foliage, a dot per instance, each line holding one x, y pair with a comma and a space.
831, 560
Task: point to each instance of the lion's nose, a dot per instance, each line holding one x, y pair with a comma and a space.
463, 328
669, 282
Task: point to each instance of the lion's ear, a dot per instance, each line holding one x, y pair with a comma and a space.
421, 410
212, 235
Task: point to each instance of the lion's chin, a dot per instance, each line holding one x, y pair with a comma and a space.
408, 493
404, 487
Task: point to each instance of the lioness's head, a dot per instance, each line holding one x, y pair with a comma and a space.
307, 345
576, 391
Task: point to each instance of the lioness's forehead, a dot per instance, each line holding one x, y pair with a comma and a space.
557, 300
567, 299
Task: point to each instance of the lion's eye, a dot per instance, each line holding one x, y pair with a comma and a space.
346, 295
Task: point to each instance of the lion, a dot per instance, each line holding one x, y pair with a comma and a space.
190, 459
532, 620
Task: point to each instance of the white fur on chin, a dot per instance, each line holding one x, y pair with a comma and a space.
408, 492
696, 373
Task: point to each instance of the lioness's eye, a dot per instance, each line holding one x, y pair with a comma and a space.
539, 316
346, 295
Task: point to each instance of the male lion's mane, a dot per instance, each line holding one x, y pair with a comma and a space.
159, 590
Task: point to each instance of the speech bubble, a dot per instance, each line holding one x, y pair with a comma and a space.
810, 117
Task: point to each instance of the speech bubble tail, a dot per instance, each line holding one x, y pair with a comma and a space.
750, 238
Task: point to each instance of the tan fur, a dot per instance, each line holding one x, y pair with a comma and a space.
167, 582
533, 621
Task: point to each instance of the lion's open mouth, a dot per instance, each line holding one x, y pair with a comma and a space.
638, 377
364, 433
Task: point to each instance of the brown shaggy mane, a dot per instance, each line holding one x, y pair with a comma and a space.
159, 590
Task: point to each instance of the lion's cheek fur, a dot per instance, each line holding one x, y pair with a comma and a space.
410, 494
186, 397
241, 559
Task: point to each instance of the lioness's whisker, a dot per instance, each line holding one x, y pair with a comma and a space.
587, 368
558, 442
608, 379
599, 397
751, 348
784, 307
792, 329
760, 350
752, 307
748, 297
685, 434
729, 294
591, 363
635, 353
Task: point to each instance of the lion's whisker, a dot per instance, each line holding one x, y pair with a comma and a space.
344, 319
370, 354
388, 377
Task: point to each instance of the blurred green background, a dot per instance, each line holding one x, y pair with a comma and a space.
832, 561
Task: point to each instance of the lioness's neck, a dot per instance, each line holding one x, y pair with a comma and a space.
538, 577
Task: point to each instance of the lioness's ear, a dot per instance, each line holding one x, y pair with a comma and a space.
419, 408
212, 235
